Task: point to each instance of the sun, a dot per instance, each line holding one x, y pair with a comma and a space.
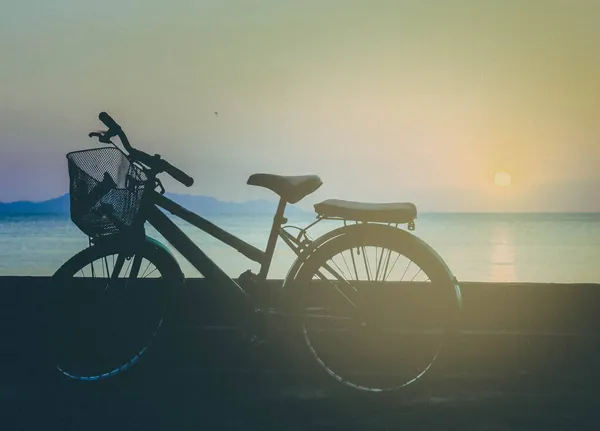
502, 179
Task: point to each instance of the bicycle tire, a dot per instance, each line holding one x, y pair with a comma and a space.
447, 294
133, 319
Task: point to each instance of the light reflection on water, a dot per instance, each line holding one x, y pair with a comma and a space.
502, 258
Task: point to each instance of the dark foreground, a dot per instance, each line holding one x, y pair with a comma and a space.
178, 395
497, 375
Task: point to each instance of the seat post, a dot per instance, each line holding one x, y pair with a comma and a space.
278, 220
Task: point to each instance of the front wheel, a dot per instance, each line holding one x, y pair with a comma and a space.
377, 304
108, 307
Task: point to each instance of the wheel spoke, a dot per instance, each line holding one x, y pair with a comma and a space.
354, 263
107, 274
387, 263
135, 269
417, 273
146, 269
367, 267
409, 262
336, 275
393, 266
150, 273
116, 271
346, 263
379, 262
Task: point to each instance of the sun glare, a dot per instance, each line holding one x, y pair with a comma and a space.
502, 179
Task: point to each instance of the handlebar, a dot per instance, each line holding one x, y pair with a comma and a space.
109, 122
154, 162
178, 174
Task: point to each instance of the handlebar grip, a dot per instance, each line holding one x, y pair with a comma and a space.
109, 122
179, 175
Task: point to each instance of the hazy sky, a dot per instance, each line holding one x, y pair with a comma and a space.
386, 100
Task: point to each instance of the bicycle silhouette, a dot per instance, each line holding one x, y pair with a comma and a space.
372, 302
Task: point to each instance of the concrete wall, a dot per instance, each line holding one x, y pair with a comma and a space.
542, 333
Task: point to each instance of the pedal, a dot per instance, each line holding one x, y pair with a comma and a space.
255, 329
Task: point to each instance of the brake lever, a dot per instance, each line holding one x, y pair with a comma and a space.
101, 137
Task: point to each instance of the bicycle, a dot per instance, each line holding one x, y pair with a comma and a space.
356, 330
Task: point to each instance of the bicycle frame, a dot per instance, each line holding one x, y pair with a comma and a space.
188, 249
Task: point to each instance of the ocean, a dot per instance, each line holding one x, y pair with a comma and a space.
561, 248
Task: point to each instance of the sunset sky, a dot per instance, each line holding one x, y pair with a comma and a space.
386, 100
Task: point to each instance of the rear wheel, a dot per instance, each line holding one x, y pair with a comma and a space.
377, 303
108, 308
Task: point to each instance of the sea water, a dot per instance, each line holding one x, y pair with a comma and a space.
561, 248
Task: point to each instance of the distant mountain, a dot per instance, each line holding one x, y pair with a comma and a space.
203, 205
59, 205
206, 205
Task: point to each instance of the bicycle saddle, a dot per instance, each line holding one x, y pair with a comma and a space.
290, 188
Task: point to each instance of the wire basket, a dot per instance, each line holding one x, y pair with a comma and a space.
107, 191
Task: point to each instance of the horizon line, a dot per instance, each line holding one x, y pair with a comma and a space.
274, 201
